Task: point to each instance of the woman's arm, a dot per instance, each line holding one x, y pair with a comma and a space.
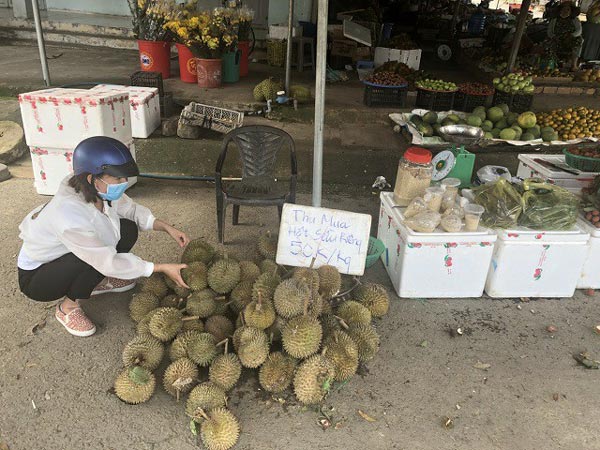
179, 236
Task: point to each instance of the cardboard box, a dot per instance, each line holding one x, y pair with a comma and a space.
412, 58
61, 118
343, 47
144, 107
281, 32
362, 54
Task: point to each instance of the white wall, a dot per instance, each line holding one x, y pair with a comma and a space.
115, 7
278, 11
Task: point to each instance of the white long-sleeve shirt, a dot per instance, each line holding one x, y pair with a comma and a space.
68, 224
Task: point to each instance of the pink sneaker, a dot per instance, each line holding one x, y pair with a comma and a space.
113, 285
76, 322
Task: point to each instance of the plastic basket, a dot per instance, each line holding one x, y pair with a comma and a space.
210, 117
378, 95
148, 79
276, 52
433, 100
516, 102
375, 250
583, 163
468, 102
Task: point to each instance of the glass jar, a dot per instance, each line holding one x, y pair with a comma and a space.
414, 175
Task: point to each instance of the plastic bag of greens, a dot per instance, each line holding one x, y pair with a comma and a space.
548, 207
502, 204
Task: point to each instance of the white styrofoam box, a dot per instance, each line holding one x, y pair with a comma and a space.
433, 265
412, 58
529, 168
529, 263
144, 107
590, 274
61, 118
281, 32
51, 165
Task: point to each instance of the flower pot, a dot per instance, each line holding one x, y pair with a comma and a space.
231, 67
155, 56
209, 72
187, 64
244, 47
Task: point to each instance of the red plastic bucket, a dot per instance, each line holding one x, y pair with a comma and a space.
209, 72
244, 47
155, 56
187, 64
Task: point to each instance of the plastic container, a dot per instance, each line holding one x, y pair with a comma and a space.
413, 176
530, 168
148, 79
390, 96
210, 72
364, 69
155, 56
450, 186
187, 64
432, 265
583, 163
433, 100
590, 274
231, 66
374, 252
516, 102
433, 198
530, 263
473, 214
244, 47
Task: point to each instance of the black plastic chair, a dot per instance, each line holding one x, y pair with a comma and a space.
258, 148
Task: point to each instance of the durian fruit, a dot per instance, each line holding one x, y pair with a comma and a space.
374, 297
225, 370
205, 396
179, 290
329, 323
135, 385
268, 265
241, 295
202, 349
145, 351
198, 250
220, 430
277, 372
252, 346
301, 336
342, 351
155, 284
195, 324
166, 323
224, 275
354, 313
201, 303
195, 275
366, 339
171, 301
141, 304
178, 348
315, 306
326, 307
267, 245
290, 297
180, 377
267, 90
312, 379
265, 286
330, 281
143, 326
309, 276
260, 314
221, 306
220, 327
249, 271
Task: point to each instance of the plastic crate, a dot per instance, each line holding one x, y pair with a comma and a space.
148, 79
374, 252
434, 100
467, 103
276, 52
377, 95
211, 117
583, 163
516, 102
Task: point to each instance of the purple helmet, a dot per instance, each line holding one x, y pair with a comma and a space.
102, 154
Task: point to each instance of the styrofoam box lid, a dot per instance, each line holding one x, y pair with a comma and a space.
559, 160
137, 94
521, 234
387, 199
73, 96
588, 227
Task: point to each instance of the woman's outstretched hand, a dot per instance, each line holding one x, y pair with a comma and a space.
179, 236
173, 271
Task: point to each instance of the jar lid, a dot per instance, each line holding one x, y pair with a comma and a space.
418, 155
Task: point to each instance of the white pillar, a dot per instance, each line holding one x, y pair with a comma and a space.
317, 189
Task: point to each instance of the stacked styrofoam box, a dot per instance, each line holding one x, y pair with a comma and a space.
56, 120
412, 58
530, 168
433, 265
590, 274
144, 107
281, 32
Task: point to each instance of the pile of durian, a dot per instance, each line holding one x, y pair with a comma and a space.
281, 322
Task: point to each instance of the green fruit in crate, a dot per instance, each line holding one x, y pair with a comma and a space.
550, 136
447, 122
416, 119
474, 121
518, 130
494, 114
436, 129
527, 120
496, 132
547, 130
488, 135
508, 134
501, 124
425, 129
487, 125
453, 117
430, 117
535, 131
504, 108
511, 118
527, 137
480, 112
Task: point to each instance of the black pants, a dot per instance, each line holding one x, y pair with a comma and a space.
68, 275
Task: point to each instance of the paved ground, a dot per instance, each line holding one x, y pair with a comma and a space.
533, 395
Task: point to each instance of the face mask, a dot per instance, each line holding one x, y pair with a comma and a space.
113, 191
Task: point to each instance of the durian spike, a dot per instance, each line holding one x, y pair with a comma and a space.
226, 346
203, 414
188, 318
342, 322
223, 342
312, 263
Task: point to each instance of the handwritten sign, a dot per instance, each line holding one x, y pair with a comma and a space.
330, 236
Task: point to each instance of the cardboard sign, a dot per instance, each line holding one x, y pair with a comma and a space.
329, 236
